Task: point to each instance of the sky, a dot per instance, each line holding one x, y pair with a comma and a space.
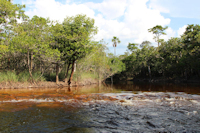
129, 20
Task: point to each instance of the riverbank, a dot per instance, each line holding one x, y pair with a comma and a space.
45, 84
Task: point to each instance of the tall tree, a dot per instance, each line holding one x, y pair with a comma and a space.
72, 39
158, 30
115, 41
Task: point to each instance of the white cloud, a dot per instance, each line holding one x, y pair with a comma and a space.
68, 1
181, 30
140, 18
178, 8
170, 33
155, 4
111, 9
57, 11
30, 2
127, 19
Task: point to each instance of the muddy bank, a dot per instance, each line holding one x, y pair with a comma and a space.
45, 84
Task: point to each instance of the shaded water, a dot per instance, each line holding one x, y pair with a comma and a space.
120, 108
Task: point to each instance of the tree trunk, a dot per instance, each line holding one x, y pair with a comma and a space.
163, 73
8, 63
29, 67
72, 73
66, 74
31, 62
41, 68
149, 69
186, 74
198, 73
57, 73
111, 80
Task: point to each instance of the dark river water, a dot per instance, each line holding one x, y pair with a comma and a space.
119, 108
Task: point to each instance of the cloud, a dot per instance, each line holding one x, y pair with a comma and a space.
57, 11
170, 33
139, 18
177, 8
111, 9
181, 30
128, 19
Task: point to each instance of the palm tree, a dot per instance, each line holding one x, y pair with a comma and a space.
115, 40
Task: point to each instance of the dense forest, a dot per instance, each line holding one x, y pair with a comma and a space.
39, 49
177, 58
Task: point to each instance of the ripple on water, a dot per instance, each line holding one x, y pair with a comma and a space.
113, 112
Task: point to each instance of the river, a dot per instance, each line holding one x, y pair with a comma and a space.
128, 107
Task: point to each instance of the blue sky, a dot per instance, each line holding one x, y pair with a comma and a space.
129, 20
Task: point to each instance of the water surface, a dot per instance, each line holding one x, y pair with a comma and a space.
112, 108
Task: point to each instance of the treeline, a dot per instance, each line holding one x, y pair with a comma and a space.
177, 58
41, 48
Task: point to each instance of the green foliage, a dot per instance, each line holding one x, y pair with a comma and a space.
100, 63
115, 40
12, 76
191, 37
177, 57
72, 37
39, 46
158, 30
86, 75
10, 12
31, 36
3, 50
8, 77
132, 47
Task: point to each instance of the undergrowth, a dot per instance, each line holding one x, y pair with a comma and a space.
12, 76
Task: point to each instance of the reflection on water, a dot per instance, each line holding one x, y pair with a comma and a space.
122, 108
159, 87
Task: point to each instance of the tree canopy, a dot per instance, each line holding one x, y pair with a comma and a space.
158, 30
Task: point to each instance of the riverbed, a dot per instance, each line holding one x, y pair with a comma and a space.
127, 108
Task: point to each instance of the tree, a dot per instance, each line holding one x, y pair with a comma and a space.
191, 36
158, 30
72, 39
31, 38
145, 43
9, 13
100, 63
115, 40
191, 41
132, 47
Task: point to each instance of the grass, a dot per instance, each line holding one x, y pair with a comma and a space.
87, 75
12, 76
77, 76
8, 76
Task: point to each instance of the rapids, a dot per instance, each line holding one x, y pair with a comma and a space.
100, 109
